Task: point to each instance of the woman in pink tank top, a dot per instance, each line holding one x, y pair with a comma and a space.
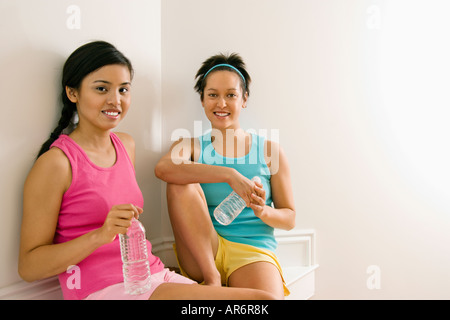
81, 192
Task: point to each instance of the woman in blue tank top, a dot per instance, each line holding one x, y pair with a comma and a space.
201, 172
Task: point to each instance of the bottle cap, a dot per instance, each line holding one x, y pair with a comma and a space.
257, 179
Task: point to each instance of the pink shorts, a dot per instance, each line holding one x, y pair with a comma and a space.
117, 291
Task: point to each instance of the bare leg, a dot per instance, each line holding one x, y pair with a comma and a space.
259, 275
195, 236
177, 291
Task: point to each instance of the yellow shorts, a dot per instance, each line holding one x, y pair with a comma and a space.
232, 256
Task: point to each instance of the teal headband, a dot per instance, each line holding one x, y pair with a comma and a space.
228, 66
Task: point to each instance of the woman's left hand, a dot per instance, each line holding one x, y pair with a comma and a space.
258, 203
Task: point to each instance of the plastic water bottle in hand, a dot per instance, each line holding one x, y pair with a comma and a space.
231, 207
136, 268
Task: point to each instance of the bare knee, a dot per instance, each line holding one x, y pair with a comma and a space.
190, 193
176, 189
177, 193
179, 190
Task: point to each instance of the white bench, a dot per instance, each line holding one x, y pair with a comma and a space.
295, 251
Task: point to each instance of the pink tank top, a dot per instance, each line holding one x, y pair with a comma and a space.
93, 192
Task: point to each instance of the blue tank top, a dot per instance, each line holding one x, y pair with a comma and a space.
246, 228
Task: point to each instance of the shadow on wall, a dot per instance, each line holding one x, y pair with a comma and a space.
30, 108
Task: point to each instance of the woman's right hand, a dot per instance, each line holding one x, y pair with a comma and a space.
243, 186
118, 221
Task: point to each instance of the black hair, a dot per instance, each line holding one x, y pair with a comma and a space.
234, 60
83, 61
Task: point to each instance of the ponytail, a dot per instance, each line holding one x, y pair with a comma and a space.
66, 121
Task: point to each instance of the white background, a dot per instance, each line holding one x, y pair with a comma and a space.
357, 89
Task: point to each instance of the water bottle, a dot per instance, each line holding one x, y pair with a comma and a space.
231, 207
136, 268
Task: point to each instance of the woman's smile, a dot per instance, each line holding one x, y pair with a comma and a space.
112, 114
222, 115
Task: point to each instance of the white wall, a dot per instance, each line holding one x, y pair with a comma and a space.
356, 88
36, 37
358, 91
